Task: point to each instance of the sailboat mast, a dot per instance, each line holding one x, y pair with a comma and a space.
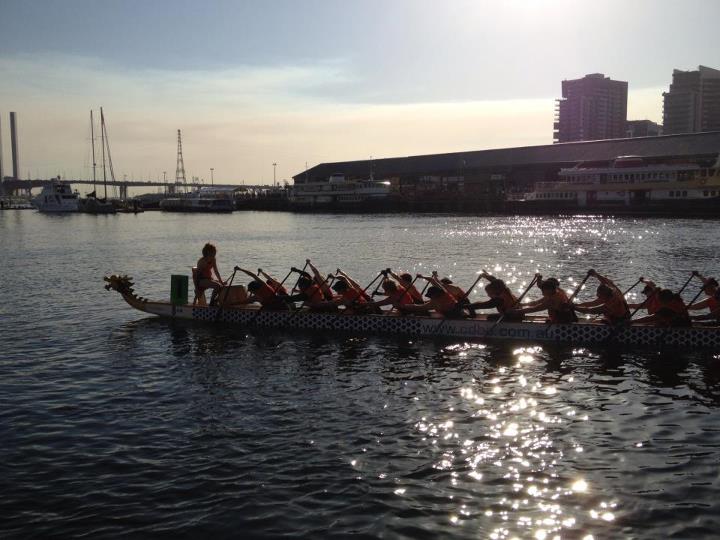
92, 142
102, 138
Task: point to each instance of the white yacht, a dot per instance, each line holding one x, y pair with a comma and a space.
57, 197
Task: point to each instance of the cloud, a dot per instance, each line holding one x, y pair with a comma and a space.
241, 120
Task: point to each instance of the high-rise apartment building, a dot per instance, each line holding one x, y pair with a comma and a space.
591, 108
693, 102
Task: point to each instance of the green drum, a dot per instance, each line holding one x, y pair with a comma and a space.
178, 290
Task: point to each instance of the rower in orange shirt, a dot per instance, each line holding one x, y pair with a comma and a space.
610, 302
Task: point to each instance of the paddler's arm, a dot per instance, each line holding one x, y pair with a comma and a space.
583, 308
589, 304
417, 308
645, 320
697, 306
605, 280
214, 267
487, 304
531, 307
271, 279
713, 315
350, 280
384, 302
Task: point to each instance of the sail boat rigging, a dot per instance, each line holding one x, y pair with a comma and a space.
91, 204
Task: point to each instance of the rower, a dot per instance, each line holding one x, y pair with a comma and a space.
458, 293
264, 294
354, 285
651, 303
310, 294
395, 295
441, 301
350, 296
501, 298
610, 302
320, 281
672, 311
405, 280
273, 283
712, 302
554, 300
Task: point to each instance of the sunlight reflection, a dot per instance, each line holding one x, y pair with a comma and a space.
509, 432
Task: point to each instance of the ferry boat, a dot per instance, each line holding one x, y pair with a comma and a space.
57, 197
629, 183
340, 192
213, 200
533, 329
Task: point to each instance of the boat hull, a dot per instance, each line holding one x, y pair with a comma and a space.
536, 330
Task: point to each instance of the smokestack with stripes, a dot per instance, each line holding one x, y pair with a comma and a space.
14, 146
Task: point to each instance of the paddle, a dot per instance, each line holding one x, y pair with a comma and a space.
692, 275
515, 304
364, 291
462, 297
633, 286
300, 272
220, 308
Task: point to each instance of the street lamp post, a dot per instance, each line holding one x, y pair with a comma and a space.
212, 178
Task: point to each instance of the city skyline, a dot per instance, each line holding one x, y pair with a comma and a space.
251, 85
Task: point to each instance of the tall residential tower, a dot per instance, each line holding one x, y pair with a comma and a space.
591, 108
693, 102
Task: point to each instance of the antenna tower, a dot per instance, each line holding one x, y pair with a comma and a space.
180, 181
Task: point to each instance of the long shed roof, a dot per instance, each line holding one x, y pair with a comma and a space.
685, 145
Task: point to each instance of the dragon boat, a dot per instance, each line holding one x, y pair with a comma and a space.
479, 328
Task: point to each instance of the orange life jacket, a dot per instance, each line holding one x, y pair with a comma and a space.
279, 289
616, 308
508, 301
413, 292
674, 313
446, 303
560, 309
314, 294
268, 298
456, 291
352, 295
652, 304
400, 298
714, 302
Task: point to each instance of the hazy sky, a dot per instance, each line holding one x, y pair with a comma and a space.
252, 83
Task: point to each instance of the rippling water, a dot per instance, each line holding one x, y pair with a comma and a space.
115, 423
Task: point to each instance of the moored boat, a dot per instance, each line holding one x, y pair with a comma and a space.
479, 328
629, 184
57, 197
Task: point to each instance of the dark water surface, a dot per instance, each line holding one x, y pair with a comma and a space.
113, 423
